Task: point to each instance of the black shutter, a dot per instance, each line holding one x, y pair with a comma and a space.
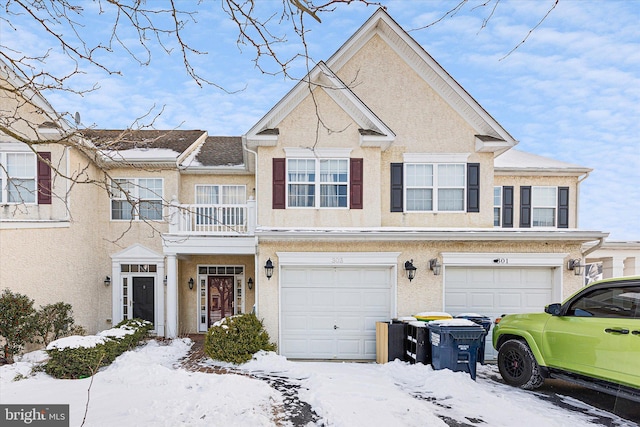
396, 187
44, 178
563, 207
356, 190
507, 207
279, 183
525, 206
473, 187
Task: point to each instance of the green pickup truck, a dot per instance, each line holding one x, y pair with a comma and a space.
592, 339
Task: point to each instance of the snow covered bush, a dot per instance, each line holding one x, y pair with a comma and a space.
81, 357
236, 339
16, 322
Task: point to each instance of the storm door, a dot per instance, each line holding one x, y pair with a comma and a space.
143, 298
220, 297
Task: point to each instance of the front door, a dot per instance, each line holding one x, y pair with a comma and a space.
220, 298
143, 296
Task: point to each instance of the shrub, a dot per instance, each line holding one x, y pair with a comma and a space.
236, 339
16, 322
87, 355
53, 321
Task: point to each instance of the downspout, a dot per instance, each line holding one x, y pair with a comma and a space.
594, 248
256, 256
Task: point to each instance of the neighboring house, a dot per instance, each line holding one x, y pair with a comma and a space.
376, 164
611, 259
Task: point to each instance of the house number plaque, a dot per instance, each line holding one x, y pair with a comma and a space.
337, 260
501, 261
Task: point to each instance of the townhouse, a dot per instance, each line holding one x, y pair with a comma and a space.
376, 188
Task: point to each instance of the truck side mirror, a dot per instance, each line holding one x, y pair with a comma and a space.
553, 309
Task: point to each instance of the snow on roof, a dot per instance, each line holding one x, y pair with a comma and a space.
516, 159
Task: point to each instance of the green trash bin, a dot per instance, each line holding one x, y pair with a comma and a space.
455, 344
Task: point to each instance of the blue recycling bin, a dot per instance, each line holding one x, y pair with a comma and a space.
455, 344
483, 321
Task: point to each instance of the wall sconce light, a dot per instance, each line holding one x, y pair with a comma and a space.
435, 266
410, 269
268, 268
107, 281
574, 264
165, 281
191, 283
250, 283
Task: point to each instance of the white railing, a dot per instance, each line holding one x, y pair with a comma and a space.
206, 219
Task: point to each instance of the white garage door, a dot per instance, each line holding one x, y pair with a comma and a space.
331, 312
496, 291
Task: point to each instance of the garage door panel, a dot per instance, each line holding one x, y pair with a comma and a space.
296, 297
319, 300
350, 348
376, 299
294, 323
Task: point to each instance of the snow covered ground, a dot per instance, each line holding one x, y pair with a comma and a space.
147, 387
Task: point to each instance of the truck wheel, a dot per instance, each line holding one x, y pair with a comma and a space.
518, 366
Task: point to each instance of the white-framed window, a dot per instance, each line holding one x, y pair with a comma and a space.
317, 183
497, 206
136, 199
220, 205
543, 206
221, 194
18, 175
435, 187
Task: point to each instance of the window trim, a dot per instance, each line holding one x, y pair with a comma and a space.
435, 187
554, 206
220, 186
136, 211
4, 178
317, 183
497, 205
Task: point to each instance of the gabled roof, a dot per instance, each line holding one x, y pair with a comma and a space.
144, 146
373, 131
491, 136
519, 162
216, 151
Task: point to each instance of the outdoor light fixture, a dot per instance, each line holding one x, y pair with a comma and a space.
107, 281
574, 264
410, 269
165, 280
268, 268
250, 283
191, 283
435, 266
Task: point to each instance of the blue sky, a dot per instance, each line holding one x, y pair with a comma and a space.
570, 92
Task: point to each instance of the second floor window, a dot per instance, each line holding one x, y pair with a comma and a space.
543, 206
221, 194
136, 199
435, 187
17, 178
320, 183
497, 206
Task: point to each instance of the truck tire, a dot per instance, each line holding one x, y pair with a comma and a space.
518, 366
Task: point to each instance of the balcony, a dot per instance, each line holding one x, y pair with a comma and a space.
212, 219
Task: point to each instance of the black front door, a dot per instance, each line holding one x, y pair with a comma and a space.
143, 307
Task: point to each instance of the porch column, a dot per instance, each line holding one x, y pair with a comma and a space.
613, 267
251, 215
172, 297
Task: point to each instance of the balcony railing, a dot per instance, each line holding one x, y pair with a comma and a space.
212, 219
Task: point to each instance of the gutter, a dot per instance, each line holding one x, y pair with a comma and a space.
594, 248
